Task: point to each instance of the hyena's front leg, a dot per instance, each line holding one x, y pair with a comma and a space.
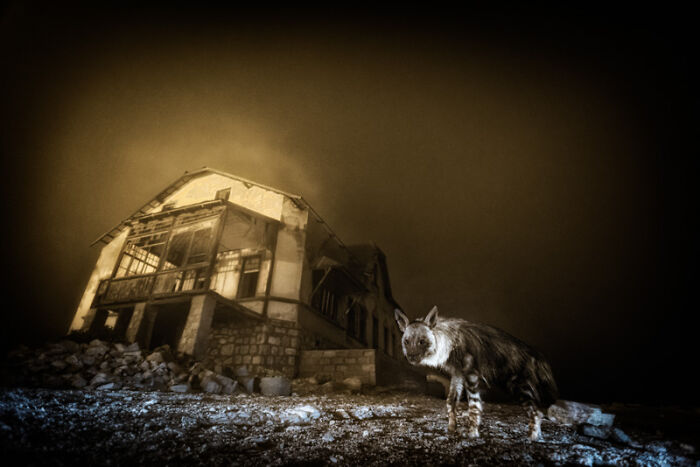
475, 407
535, 417
453, 397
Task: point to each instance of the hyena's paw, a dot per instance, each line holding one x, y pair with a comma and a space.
535, 435
473, 432
452, 422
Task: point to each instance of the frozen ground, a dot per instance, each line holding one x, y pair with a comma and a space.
75, 427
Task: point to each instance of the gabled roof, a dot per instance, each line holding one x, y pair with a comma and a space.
186, 177
365, 255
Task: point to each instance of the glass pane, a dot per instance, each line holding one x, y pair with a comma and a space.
200, 246
177, 250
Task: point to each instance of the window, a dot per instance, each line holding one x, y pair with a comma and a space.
351, 327
188, 247
142, 255
111, 320
177, 250
201, 243
249, 277
362, 325
357, 322
223, 194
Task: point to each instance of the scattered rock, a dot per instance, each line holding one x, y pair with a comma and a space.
601, 432
108, 386
155, 357
249, 383
78, 381
275, 386
354, 384
362, 413
211, 385
180, 388
100, 378
575, 413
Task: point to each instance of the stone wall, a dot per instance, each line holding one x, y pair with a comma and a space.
371, 366
263, 347
339, 364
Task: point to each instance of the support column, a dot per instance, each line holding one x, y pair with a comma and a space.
195, 335
141, 325
88, 319
98, 320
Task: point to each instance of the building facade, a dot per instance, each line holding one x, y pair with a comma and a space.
224, 268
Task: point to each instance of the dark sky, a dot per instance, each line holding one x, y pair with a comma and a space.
527, 169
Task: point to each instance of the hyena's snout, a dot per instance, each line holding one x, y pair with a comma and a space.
414, 358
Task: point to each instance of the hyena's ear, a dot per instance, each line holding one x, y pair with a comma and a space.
401, 319
431, 317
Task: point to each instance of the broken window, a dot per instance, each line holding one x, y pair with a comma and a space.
188, 247
249, 276
225, 273
177, 250
142, 255
201, 244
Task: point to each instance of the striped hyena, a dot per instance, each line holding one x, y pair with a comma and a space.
472, 353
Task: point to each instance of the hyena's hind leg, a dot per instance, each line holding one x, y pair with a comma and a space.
474, 404
529, 397
453, 398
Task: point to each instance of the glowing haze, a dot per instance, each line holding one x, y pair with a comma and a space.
511, 176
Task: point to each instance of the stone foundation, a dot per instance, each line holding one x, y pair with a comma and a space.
263, 347
339, 364
371, 366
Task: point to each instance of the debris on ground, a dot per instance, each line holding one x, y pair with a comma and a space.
125, 427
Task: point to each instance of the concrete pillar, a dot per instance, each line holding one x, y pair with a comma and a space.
98, 320
141, 325
195, 335
88, 319
122, 324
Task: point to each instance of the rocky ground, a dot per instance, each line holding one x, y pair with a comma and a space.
108, 403
125, 427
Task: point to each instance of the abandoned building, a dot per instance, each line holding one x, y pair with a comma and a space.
224, 268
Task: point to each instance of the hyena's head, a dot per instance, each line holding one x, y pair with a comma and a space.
418, 340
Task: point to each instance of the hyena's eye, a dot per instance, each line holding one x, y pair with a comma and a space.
422, 342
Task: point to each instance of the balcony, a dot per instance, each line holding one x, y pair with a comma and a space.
188, 251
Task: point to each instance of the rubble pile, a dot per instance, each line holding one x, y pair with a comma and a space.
589, 420
101, 365
109, 366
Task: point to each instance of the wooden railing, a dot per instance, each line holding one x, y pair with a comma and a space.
146, 286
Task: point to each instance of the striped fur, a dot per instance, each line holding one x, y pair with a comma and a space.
473, 354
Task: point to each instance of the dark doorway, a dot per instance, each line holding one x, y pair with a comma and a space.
169, 324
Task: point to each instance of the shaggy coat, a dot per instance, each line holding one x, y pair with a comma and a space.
474, 356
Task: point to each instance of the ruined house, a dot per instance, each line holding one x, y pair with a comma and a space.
243, 274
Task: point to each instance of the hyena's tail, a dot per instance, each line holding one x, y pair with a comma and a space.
547, 392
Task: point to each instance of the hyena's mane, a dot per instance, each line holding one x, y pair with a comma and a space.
500, 359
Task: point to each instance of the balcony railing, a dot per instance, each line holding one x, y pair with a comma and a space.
146, 286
